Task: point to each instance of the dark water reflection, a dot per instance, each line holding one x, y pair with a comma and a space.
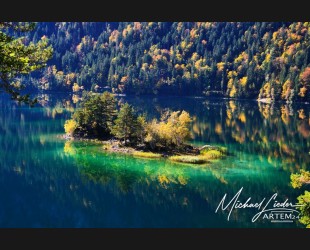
48, 182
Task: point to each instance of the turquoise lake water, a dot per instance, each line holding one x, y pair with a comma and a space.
46, 181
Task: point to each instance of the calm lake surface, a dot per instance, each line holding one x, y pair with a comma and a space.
49, 182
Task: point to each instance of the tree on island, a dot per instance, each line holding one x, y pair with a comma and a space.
128, 126
95, 116
171, 132
95, 119
17, 57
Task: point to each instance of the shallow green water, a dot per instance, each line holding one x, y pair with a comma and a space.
49, 182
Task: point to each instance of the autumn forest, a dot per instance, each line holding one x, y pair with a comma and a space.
269, 61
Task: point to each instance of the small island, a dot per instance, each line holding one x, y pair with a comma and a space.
123, 131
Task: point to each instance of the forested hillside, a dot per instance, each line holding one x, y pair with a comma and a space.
226, 59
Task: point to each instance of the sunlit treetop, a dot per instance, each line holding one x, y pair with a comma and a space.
19, 57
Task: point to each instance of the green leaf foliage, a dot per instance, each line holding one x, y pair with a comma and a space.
297, 181
17, 56
95, 115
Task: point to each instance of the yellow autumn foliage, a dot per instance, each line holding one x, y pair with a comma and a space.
75, 87
195, 56
70, 126
233, 91
230, 83
218, 129
232, 105
243, 81
302, 91
231, 74
173, 129
242, 117
69, 148
220, 66
286, 88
